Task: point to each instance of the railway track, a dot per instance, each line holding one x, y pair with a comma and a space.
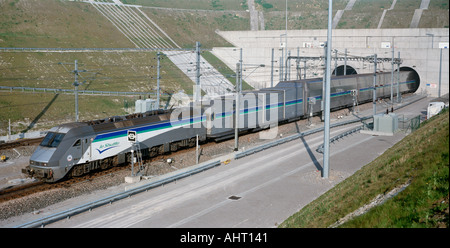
23, 190
20, 142
19, 191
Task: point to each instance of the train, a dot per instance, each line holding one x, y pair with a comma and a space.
75, 149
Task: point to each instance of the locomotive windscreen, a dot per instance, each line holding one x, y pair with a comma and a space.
52, 139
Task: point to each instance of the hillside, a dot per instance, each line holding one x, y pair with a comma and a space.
53, 23
420, 160
303, 14
59, 23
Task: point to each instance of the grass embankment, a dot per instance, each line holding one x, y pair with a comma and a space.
422, 157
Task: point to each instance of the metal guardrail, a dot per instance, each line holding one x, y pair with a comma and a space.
108, 200
339, 136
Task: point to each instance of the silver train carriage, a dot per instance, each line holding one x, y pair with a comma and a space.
75, 149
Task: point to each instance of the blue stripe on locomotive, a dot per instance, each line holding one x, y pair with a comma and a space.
149, 128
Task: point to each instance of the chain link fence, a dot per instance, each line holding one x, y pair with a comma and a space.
409, 124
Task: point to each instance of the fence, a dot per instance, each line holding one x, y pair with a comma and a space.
409, 123
405, 123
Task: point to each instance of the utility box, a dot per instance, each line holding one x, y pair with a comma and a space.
142, 106
385, 123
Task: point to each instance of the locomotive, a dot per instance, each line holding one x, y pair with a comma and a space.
75, 149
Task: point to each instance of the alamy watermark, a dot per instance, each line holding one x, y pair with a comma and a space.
218, 114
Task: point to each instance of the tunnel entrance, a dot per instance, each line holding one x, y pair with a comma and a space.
412, 76
340, 71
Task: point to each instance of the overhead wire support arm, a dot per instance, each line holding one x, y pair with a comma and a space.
158, 90
76, 84
197, 92
349, 58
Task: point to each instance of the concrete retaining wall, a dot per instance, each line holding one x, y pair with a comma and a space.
419, 49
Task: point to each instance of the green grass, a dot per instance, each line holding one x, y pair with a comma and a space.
422, 157
53, 23
48, 110
109, 71
188, 27
191, 4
